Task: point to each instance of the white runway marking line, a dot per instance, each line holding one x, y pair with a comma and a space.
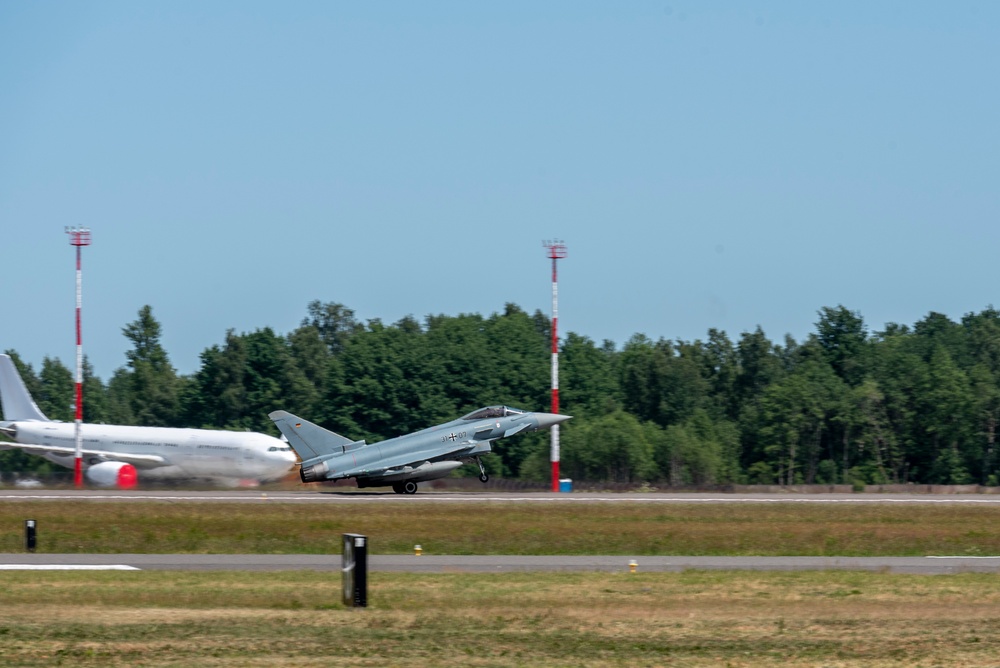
621, 500
602, 499
957, 556
118, 497
67, 567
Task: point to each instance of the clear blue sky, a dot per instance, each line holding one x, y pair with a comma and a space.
709, 164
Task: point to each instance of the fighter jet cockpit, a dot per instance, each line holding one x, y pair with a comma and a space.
493, 412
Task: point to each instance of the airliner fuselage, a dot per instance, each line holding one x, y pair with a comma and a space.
185, 453
119, 455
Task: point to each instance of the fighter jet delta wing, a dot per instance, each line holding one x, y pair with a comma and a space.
404, 461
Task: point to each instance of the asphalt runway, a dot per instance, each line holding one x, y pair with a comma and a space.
493, 564
348, 497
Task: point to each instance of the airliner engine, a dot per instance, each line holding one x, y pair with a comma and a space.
113, 474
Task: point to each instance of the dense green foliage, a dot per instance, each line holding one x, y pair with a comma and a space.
907, 404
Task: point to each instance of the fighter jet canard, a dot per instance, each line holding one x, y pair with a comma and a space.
404, 461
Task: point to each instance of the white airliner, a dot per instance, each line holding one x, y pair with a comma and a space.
117, 455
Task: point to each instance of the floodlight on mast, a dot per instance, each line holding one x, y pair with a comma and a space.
79, 237
555, 250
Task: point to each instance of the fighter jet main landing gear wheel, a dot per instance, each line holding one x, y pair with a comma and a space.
409, 487
398, 488
483, 476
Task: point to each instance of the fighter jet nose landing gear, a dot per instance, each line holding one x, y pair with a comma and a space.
483, 476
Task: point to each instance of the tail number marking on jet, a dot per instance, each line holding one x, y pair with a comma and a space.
453, 436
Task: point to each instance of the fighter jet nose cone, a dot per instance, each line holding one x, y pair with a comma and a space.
546, 420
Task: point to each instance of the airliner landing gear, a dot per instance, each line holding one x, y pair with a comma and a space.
483, 477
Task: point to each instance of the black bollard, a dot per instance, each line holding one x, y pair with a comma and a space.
355, 568
29, 535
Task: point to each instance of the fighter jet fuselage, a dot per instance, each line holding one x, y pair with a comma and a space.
406, 460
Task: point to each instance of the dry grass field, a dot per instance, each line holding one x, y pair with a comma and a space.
830, 619
507, 528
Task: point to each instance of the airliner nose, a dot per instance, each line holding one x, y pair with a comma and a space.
546, 420
283, 460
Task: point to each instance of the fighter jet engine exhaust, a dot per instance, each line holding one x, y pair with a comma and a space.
315, 473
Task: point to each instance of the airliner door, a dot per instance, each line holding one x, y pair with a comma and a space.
247, 462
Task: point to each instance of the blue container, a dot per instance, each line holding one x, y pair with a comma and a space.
565, 485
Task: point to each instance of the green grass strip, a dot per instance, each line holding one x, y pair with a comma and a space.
506, 528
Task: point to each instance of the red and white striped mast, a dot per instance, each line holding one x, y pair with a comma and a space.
556, 251
79, 237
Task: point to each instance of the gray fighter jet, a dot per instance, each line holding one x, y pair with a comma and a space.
404, 461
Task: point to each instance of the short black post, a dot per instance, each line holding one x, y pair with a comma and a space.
29, 535
355, 569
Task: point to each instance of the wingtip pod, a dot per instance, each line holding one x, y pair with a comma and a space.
15, 400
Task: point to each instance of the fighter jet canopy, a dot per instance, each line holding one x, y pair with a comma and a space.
493, 412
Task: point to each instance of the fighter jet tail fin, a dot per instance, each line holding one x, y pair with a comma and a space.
14, 398
307, 439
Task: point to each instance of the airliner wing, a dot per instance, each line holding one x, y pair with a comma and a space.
137, 460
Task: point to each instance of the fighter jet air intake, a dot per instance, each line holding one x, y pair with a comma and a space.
404, 461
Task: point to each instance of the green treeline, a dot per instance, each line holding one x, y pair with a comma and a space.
907, 404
